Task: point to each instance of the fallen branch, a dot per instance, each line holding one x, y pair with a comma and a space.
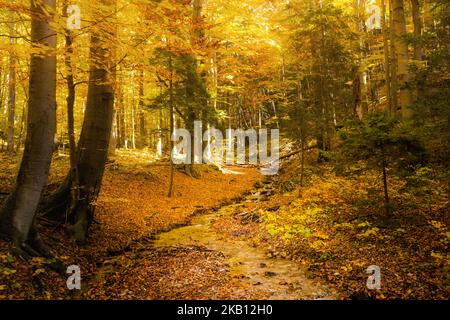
296, 152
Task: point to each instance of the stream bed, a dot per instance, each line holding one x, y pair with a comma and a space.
279, 278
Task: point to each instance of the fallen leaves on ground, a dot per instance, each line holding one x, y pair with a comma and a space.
133, 205
335, 227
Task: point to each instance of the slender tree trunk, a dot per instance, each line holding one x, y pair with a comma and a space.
387, 64
215, 77
418, 51
142, 129
172, 127
402, 58
385, 186
360, 81
70, 115
125, 114
417, 22
11, 90
357, 93
159, 146
121, 128
22, 126
393, 60
133, 111
1, 84
18, 214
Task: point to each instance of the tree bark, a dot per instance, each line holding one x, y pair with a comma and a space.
97, 124
70, 113
11, 90
196, 39
418, 50
121, 113
18, 214
142, 129
95, 135
133, 110
387, 64
172, 127
402, 58
393, 60
415, 6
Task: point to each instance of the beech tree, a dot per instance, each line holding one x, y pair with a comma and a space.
78, 207
18, 213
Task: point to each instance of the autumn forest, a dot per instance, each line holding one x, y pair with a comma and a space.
224, 150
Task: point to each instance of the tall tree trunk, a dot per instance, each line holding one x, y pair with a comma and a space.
133, 111
97, 124
172, 127
159, 143
92, 150
387, 64
11, 89
417, 22
357, 93
196, 39
121, 129
142, 129
402, 58
70, 113
1, 84
418, 51
22, 126
18, 214
393, 60
360, 80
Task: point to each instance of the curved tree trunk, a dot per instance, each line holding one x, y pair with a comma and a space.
18, 214
94, 139
92, 151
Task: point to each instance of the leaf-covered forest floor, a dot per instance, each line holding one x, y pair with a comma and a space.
335, 226
133, 204
332, 228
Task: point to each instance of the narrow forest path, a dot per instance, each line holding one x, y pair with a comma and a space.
198, 261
